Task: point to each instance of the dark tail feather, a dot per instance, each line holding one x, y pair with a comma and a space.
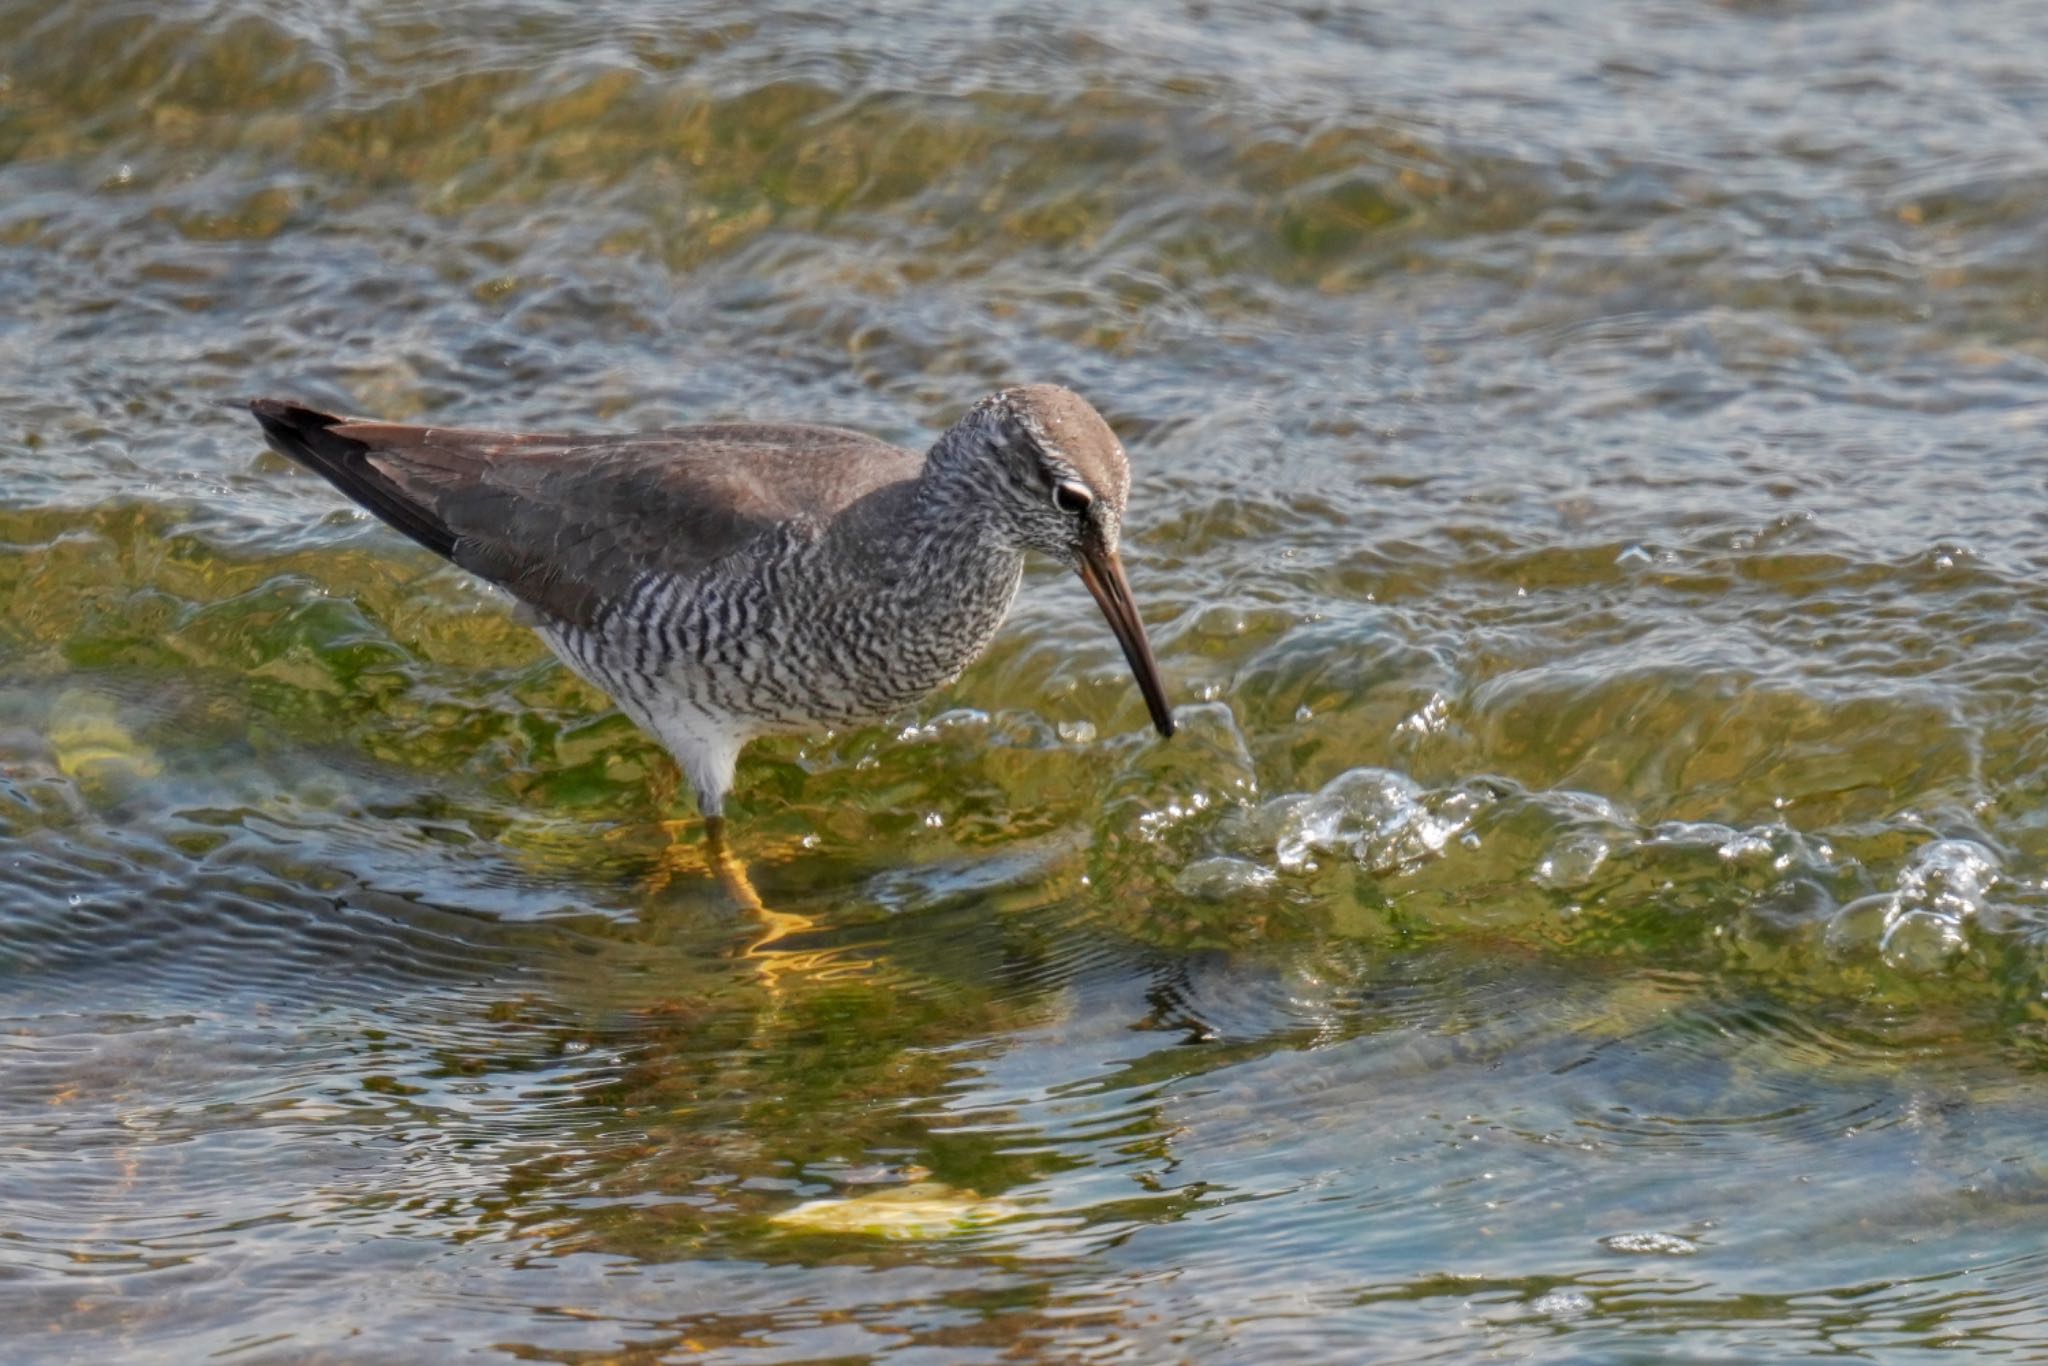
304, 437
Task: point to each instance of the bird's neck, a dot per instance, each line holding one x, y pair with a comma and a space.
947, 552
958, 499
953, 522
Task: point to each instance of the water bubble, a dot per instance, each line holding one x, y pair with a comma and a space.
1430, 719
1571, 805
1077, 732
1921, 925
1745, 844
1572, 861
1345, 814
1947, 554
1223, 878
1563, 1304
1650, 1244
1691, 835
1921, 941
1377, 817
1951, 875
1860, 926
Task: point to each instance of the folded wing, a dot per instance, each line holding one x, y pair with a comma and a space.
566, 522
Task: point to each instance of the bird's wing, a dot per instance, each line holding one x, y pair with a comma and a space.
567, 522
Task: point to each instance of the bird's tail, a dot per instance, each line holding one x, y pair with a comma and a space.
308, 437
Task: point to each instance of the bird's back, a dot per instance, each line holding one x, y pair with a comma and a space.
570, 523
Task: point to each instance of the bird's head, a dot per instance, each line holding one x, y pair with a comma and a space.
1055, 477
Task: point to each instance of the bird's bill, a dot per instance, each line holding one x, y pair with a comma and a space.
1103, 572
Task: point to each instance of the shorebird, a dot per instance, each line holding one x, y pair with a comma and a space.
733, 580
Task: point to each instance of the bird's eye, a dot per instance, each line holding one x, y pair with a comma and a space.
1071, 497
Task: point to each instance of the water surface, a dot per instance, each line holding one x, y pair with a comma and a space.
1588, 504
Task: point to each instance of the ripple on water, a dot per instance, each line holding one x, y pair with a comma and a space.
1583, 488
231, 978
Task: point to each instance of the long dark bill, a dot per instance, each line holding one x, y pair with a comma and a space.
1103, 572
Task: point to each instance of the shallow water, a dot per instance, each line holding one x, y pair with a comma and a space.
1588, 506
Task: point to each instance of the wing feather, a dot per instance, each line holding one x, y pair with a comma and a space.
566, 522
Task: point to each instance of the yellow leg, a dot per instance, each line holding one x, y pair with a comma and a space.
727, 868
677, 858
771, 954
771, 962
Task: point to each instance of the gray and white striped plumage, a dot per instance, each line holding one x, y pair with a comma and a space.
722, 582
